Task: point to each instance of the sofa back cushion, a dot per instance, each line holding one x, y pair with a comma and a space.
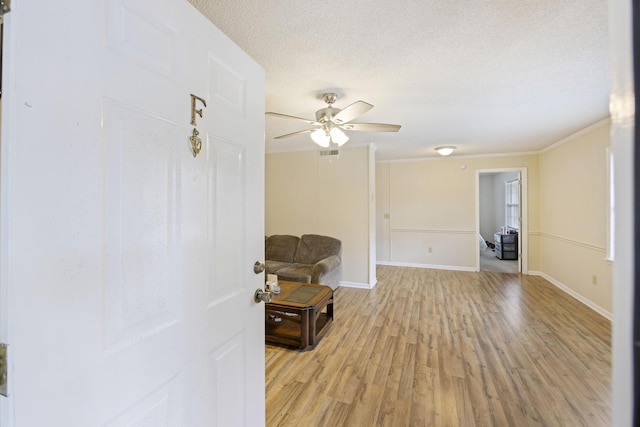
313, 247
280, 247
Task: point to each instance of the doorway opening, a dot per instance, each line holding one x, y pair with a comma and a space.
501, 225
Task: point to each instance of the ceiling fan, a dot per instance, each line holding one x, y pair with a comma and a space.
331, 122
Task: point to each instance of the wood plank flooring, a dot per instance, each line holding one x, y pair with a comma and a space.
444, 348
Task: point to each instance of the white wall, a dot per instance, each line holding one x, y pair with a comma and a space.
499, 181
306, 193
492, 202
372, 216
487, 207
622, 131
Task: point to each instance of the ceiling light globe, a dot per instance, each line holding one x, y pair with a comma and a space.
338, 136
445, 150
320, 137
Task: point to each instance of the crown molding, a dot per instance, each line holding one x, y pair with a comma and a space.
600, 123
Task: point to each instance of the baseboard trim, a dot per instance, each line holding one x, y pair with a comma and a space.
595, 307
358, 285
430, 266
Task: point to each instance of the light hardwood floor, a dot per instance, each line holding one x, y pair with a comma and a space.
444, 348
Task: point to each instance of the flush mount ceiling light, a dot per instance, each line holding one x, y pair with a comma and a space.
445, 150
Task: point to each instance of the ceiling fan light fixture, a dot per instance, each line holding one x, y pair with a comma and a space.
321, 137
338, 136
332, 122
445, 150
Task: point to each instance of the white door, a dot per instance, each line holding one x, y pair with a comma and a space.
126, 263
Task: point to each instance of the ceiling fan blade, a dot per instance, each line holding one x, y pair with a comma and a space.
289, 135
371, 127
286, 116
352, 111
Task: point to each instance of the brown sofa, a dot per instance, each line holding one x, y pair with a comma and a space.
311, 258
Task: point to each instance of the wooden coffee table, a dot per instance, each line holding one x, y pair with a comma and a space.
300, 315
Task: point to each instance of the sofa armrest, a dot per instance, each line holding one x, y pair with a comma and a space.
325, 266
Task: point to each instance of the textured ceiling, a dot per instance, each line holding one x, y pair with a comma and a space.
488, 76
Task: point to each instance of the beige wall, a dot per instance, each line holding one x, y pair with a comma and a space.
306, 193
383, 208
573, 212
431, 205
432, 209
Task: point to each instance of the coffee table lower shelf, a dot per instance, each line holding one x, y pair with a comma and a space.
300, 325
291, 332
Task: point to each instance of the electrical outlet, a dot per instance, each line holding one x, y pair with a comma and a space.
430, 249
595, 279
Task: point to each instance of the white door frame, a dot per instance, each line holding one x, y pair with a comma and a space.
523, 235
7, 133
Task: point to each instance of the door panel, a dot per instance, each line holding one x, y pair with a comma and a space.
227, 162
140, 224
130, 259
227, 390
143, 36
158, 408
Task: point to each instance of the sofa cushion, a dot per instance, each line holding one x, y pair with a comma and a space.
281, 247
296, 273
271, 267
313, 247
